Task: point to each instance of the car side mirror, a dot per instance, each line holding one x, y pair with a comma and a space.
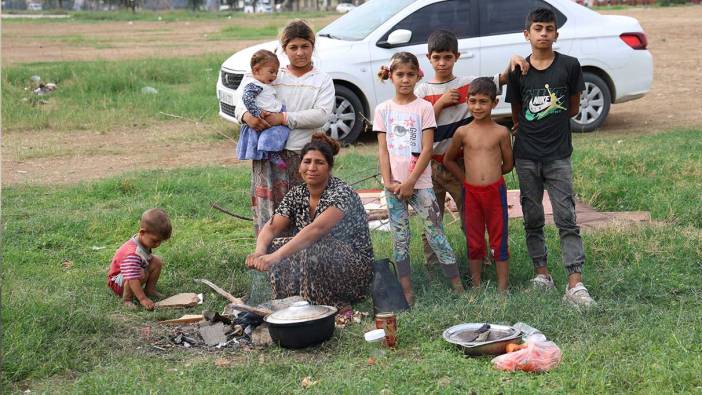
397, 37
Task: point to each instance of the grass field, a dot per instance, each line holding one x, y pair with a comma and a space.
63, 332
97, 95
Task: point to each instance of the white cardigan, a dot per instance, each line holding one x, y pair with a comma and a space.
308, 101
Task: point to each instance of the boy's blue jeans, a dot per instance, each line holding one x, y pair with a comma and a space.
557, 178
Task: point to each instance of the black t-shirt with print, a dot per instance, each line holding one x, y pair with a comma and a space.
544, 124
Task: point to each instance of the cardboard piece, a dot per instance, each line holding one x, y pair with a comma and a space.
214, 334
587, 217
188, 299
186, 319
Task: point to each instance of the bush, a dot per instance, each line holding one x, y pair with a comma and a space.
666, 3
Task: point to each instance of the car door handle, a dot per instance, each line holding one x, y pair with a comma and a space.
466, 55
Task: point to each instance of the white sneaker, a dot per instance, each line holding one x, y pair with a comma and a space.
578, 296
542, 281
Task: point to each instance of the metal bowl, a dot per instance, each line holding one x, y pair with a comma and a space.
500, 336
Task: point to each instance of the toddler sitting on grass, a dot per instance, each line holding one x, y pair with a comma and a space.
134, 266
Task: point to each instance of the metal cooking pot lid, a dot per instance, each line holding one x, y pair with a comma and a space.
300, 312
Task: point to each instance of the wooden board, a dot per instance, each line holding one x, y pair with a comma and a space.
188, 299
186, 319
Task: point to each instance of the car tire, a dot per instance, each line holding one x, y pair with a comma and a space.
595, 102
346, 120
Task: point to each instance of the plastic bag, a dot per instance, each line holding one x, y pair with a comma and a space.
539, 356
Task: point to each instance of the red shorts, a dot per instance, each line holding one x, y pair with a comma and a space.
486, 206
116, 284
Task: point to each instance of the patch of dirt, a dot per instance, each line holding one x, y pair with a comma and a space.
85, 156
65, 41
677, 70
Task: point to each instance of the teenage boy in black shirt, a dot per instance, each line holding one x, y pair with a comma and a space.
543, 101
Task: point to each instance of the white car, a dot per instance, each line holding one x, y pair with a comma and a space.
611, 49
251, 7
34, 6
345, 7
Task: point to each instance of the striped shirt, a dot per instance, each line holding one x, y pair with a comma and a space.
452, 117
130, 260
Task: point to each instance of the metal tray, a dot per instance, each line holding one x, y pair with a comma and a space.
500, 337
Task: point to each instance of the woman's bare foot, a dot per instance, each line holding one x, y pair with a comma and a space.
344, 308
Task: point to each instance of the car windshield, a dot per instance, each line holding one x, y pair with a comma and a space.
362, 20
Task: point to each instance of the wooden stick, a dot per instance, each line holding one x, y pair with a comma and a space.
237, 303
220, 291
177, 116
224, 210
263, 312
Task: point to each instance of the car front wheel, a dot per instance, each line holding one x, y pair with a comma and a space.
346, 120
595, 102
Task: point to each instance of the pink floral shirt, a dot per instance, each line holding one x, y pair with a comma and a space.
404, 125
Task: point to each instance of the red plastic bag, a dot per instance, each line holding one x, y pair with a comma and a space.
539, 356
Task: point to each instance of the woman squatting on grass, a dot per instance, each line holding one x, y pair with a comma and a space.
308, 96
329, 261
405, 125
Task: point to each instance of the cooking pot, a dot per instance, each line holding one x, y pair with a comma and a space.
301, 325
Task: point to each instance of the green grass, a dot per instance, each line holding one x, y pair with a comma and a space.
659, 173
64, 332
236, 32
97, 95
608, 7
78, 40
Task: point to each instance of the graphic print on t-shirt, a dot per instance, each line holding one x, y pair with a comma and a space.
545, 102
403, 134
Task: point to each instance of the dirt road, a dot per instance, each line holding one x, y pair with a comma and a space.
672, 102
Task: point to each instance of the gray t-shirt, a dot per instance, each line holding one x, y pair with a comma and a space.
544, 124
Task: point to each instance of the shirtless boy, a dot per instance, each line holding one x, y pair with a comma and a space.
487, 155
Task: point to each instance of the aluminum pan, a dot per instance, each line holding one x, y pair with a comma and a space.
500, 336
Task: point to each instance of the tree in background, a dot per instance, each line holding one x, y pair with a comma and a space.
195, 4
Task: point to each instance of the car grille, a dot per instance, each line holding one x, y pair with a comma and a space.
231, 80
227, 109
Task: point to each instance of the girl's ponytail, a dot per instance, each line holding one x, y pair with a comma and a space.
384, 73
399, 58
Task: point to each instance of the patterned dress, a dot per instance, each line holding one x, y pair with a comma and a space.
337, 269
270, 183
